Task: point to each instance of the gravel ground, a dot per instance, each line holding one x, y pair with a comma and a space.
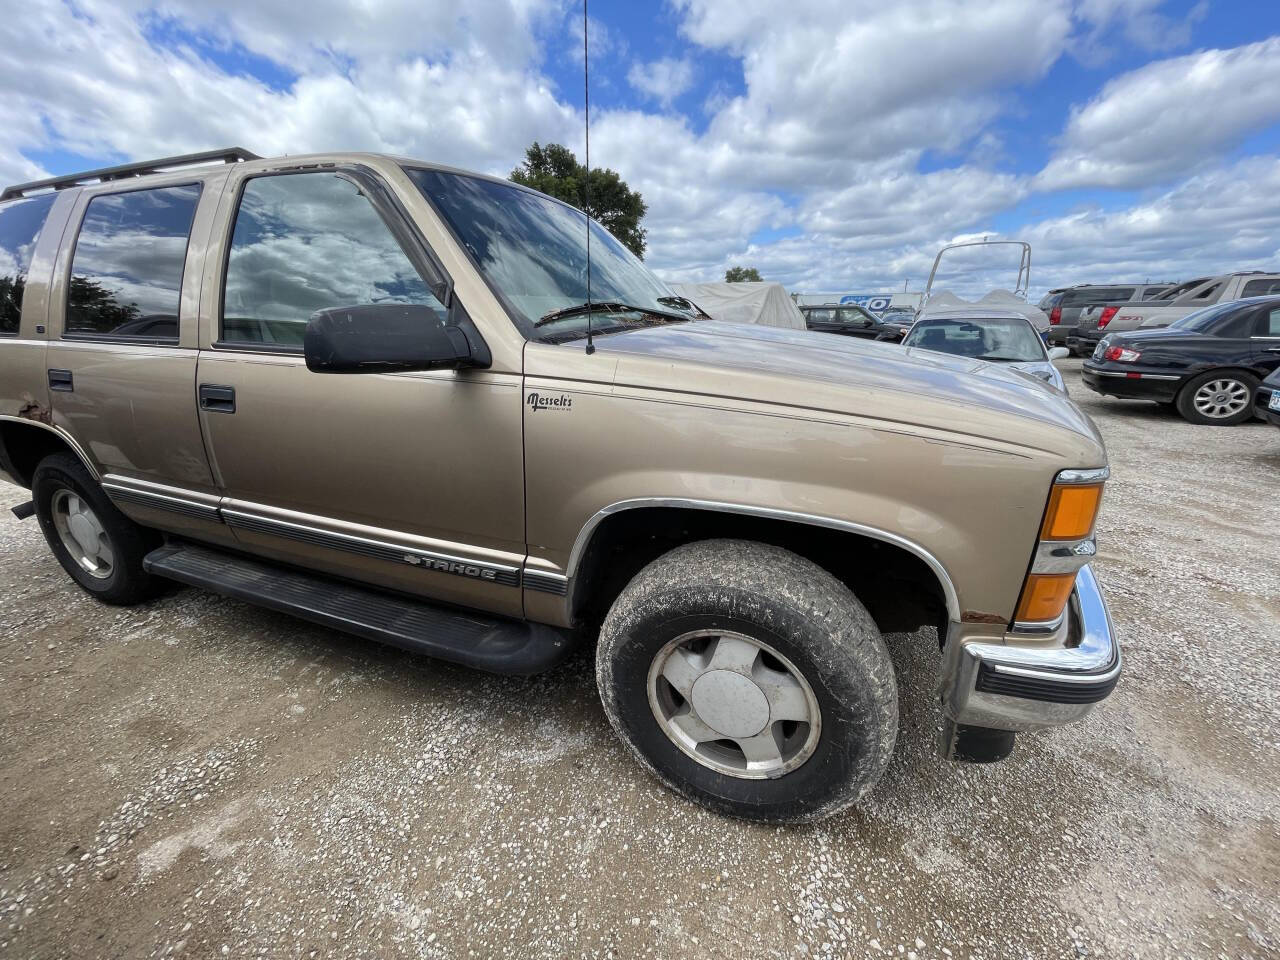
201, 777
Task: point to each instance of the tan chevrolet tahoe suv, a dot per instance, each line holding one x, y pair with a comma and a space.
363, 390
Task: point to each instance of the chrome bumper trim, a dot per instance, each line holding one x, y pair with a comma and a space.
989, 684
1131, 374
1088, 475
1063, 556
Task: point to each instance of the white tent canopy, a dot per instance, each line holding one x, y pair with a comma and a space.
1003, 299
767, 304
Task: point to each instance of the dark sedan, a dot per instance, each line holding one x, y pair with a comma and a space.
1207, 365
1266, 403
847, 319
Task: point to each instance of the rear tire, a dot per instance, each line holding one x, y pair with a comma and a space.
1219, 398
96, 544
783, 707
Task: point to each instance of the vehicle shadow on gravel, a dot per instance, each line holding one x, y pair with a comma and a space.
515, 706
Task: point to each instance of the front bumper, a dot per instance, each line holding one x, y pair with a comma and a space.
1084, 339
1000, 684
1261, 408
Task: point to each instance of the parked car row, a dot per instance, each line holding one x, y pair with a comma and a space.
1066, 304
1097, 320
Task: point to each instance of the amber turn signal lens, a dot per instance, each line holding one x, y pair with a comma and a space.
1072, 510
1044, 597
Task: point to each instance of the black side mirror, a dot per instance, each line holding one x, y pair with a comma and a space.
383, 338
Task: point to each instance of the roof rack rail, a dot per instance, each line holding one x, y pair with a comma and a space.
126, 170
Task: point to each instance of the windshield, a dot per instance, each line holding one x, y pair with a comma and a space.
533, 251
994, 338
1201, 320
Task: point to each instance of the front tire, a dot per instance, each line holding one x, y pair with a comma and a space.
749, 680
1220, 398
96, 544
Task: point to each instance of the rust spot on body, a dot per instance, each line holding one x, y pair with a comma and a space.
31, 410
977, 616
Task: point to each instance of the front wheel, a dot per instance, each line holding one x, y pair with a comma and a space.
1221, 398
749, 680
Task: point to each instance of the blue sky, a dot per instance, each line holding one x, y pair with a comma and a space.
835, 146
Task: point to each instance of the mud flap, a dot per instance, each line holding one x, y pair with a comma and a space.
968, 744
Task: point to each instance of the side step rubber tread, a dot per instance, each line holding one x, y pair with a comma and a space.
477, 640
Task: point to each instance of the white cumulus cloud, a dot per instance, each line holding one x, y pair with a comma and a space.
661, 80
1168, 117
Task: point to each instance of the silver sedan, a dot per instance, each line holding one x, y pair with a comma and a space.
998, 336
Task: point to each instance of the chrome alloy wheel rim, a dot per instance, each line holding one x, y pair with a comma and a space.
82, 534
734, 704
1221, 398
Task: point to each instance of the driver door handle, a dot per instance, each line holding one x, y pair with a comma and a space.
217, 398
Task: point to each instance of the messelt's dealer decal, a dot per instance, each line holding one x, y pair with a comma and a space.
541, 401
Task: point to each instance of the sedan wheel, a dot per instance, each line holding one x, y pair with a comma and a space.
1218, 398
1222, 398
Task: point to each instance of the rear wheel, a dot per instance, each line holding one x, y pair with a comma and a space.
96, 544
1219, 397
749, 680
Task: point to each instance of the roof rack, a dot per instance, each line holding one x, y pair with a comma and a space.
126, 170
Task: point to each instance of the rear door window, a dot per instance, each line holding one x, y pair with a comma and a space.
20, 224
1260, 288
1268, 323
126, 272
304, 242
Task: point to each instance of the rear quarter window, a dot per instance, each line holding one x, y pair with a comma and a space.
126, 272
1260, 288
20, 224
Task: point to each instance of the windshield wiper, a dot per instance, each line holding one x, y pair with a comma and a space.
613, 305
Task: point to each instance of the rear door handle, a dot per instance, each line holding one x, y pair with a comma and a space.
61, 381
217, 398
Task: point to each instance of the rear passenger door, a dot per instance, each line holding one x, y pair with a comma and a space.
122, 349
411, 481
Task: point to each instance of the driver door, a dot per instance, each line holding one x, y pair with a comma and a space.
409, 481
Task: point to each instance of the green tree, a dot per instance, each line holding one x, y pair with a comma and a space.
743, 275
554, 170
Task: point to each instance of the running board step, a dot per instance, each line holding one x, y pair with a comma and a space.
477, 640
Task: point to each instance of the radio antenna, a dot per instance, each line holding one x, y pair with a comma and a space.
586, 183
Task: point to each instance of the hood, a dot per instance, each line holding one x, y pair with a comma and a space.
864, 378
1040, 369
